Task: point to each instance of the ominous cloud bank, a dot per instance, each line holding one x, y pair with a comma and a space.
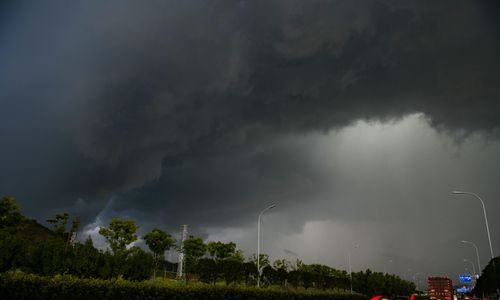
202, 112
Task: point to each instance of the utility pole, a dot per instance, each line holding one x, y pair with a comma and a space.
180, 265
72, 233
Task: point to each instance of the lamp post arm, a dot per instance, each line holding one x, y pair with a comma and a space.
350, 270
486, 222
477, 255
472, 264
258, 250
258, 241
485, 217
487, 228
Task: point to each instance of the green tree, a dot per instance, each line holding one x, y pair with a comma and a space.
207, 270
108, 265
238, 256
233, 269
305, 275
227, 262
489, 281
49, 257
263, 261
158, 242
13, 251
220, 250
13, 247
250, 272
194, 248
138, 264
294, 277
281, 266
86, 259
119, 234
59, 223
10, 212
269, 276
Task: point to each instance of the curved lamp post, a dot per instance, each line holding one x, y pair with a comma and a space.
473, 266
350, 269
385, 265
258, 241
485, 217
477, 253
416, 279
404, 274
485, 221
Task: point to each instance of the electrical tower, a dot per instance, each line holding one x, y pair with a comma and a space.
72, 233
180, 265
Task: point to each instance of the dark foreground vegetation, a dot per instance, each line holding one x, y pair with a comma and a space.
488, 283
25, 286
35, 259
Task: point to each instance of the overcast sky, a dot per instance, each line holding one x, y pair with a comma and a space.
356, 117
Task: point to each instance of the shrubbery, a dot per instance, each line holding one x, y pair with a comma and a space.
52, 256
18, 285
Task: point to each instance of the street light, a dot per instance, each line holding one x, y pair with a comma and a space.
485, 217
477, 253
416, 279
350, 269
385, 266
404, 274
485, 221
258, 241
473, 266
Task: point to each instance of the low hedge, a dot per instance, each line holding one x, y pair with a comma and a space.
17, 285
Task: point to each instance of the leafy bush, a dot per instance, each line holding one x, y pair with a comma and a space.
18, 285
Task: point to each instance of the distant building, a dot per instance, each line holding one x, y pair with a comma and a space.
440, 288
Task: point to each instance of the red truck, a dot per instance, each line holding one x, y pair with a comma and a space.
440, 288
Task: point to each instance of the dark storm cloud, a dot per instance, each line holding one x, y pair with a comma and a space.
182, 104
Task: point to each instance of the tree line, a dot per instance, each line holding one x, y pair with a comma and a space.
30, 247
488, 283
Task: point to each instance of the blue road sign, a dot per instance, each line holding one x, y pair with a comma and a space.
465, 278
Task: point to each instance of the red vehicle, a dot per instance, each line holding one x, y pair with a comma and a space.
440, 288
